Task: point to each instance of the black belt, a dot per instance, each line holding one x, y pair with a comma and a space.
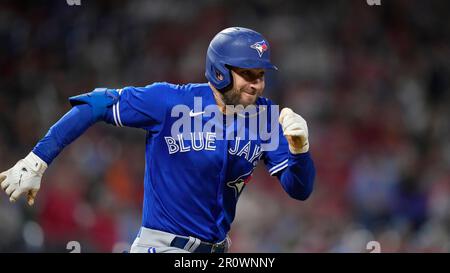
203, 247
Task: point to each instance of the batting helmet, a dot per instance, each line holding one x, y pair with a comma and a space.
238, 47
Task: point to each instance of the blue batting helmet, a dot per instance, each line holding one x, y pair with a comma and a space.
237, 47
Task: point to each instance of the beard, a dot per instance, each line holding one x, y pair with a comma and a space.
234, 97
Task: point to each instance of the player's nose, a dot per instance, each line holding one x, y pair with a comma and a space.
257, 84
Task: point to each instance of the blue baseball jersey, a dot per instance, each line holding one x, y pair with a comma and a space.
191, 184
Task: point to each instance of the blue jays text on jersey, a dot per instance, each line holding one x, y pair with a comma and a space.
253, 122
192, 183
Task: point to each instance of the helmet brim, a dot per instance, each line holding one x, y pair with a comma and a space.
262, 64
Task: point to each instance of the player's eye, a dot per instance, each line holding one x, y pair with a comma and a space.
245, 73
249, 75
255, 76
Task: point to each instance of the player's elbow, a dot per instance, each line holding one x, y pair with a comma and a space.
298, 188
302, 194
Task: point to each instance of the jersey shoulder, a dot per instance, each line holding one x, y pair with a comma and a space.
178, 88
181, 93
264, 101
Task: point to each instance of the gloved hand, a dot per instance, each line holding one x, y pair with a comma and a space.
24, 177
296, 131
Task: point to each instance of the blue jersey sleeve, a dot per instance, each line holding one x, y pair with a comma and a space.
277, 160
62, 133
296, 173
139, 107
298, 178
142, 107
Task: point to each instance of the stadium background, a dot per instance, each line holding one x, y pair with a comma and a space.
372, 82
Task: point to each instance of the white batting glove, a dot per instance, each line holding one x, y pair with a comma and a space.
296, 131
24, 177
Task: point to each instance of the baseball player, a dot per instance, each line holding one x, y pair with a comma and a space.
192, 181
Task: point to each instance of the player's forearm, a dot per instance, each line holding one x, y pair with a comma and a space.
73, 124
298, 178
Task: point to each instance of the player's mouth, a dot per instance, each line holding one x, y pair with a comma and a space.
250, 92
249, 96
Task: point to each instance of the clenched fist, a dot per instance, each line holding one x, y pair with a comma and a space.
24, 177
296, 131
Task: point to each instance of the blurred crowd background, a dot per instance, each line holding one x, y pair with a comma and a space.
372, 82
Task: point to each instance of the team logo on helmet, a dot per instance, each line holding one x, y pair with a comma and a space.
261, 47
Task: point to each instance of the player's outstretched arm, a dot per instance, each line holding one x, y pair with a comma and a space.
25, 176
298, 178
138, 107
